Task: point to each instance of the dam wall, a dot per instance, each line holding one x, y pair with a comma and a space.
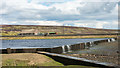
69, 60
60, 49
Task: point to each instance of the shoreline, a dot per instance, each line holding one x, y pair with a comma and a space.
104, 52
91, 56
58, 37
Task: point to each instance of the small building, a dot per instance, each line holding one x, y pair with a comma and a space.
52, 33
29, 32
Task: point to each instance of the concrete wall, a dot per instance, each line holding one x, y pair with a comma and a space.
79, 46
24, 50
69, 60
57, 50
61, 49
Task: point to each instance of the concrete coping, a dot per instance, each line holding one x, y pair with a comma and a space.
79, 59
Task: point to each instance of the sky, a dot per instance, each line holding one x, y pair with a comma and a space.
79, 13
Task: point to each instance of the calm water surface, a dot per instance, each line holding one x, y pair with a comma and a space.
46, 43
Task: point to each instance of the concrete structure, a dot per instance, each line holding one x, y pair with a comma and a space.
66, 60
56, 50
69, 60
52, 33
29, 32
61, 49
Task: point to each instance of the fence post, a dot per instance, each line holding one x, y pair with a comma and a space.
8, 50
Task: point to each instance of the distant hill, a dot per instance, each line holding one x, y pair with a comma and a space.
58, 29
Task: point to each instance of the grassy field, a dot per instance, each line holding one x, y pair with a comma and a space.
32, 59
58, 37
28, 59
11, 30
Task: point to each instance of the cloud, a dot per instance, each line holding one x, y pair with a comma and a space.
45, 23
59, 11
101, 24
27, 22
82, 13
98, 24
39, 1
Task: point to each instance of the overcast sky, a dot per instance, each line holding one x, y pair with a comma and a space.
81, 13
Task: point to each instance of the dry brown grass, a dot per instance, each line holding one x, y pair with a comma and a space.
57, 29
58, 37
27, 59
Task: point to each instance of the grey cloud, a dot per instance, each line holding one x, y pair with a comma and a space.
91, 11
97, 8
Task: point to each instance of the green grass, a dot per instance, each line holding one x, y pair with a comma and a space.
12, 33
50, 63
54, 63
12, 62
76, 66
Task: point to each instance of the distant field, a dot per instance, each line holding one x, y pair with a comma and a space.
58, 37
11, 30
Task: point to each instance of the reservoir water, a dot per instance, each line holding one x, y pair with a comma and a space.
43, 43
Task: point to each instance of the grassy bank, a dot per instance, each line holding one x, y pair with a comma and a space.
28, 59
58, 37
33, 59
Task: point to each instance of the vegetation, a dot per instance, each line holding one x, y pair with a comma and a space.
53, 63
8, 30
11, 33
58, 37
28, 59
13, 62
22, 59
